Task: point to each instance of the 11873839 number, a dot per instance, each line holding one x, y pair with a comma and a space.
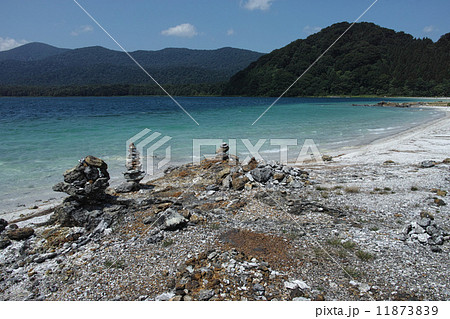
407, 311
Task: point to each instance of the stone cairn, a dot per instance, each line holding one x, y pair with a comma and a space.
87, 181
134, 173
222, 154
426, 232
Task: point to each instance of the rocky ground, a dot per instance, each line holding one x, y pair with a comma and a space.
218, 231
368, 224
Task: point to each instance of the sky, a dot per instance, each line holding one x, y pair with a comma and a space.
259, 25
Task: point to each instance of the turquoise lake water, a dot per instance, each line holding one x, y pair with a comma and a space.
42, 137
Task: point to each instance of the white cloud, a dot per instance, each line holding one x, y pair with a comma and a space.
230, 32
257, 4
429, 29
82, 29
311, 30
182, 30
8, 43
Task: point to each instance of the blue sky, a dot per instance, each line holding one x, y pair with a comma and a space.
260, 25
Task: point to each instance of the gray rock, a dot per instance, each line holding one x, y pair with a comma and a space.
433, 231
43, 257
406, 230
424, 222
127, 187
427, 164
156, 238
150, 219
436, 249
205, 294
173, 220
261, 175
212, 187
21, 233
75, 174
301, 299
226, 183
436, 240
258, 288
3, 224
4, 243
423, 238
166, 296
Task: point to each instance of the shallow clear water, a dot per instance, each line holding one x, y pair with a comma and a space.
42, 137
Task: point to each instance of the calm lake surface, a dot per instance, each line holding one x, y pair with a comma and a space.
42, 137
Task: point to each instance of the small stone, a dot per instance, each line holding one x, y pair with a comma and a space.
427, 164
150, 219
436, 249
301, 299
187, 298
239, 182
424, 222
289, 285
248, 186
226, 182
21, 233
423, 238
433, 231
319, 297
441, 193
327, 158
426, 215
205, 294
3, 224
166, 296
439, 240
278, 176
176, 298
4, 243
223, 173
127, 187
258, 288
301, 284
446, 161
261, 175
44, 257
156, 238
439, 202
174, 220
212, 187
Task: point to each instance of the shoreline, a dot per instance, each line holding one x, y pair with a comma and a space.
382, 147
347, 154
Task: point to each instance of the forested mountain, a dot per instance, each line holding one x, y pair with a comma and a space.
38, 64
31, 52
367, 60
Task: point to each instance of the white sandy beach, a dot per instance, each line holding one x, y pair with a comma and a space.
430, 141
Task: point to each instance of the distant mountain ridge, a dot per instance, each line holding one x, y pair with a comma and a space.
42, 64
367, 60
31, 52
